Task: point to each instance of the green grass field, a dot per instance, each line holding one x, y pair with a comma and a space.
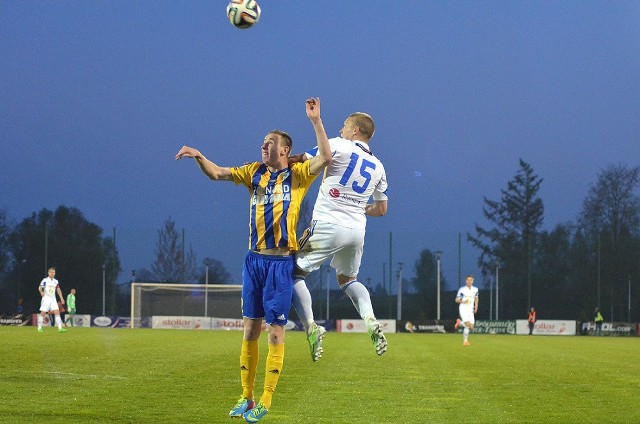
91, 375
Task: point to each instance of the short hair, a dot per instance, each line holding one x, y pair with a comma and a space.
286, 138
364, 122
53, 268
469, 276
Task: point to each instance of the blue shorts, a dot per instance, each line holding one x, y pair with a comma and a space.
267, 287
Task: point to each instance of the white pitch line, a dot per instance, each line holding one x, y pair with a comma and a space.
72, 374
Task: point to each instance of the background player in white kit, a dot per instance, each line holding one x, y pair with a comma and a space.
338, 226
467, 297
48, 288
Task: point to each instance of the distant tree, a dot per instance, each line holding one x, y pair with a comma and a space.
511, 242
6, 281
172, 263
218, 274
144, 275
552, 271
75, 247
425, 283
5, 252
609, 224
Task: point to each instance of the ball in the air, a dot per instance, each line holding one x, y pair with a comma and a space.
243, 14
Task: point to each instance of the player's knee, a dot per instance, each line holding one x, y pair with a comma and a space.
276, 334
345, 279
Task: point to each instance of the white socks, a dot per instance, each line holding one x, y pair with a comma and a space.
359, 295
302, 303
59, 322
465, 333
40, 320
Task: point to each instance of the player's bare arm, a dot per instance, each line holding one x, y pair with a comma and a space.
299, 158
209, 168
60, 295
377, 208
323, 158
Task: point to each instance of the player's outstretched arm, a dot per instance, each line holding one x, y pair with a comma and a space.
209, 168
323, 158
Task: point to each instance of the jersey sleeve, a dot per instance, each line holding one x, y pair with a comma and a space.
313, 152
380, 192
244, 174
303, 172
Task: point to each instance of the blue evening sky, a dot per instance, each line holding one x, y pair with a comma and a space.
96, 97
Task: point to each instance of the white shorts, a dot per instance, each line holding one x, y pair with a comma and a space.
48, 304
466, 315
324, 240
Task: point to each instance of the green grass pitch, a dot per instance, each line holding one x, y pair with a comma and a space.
91, 375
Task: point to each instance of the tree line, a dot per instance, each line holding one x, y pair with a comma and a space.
565, 272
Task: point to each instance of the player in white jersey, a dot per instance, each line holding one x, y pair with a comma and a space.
48, 288
338, 226
467, 298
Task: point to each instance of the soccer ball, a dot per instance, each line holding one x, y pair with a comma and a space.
243, 13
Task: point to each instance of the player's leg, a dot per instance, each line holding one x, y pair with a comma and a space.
303, 305
316, 246
278, 288
273, 370
40, 321
252, 312
70, 316
305, 263
44, 308
361, 299
302, 302
346, 262
56, 314
469, 323
347, 265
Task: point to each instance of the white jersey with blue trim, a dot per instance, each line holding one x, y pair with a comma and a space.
49, 285
468, 296
352, 177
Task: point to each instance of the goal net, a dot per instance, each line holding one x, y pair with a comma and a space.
183, 300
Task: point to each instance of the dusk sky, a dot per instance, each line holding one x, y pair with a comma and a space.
97, 97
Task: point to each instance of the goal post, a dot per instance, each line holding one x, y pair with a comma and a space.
204, 300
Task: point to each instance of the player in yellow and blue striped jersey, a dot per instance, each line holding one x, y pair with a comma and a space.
276, 191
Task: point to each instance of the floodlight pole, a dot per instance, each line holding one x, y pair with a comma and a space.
206, 290
326, 278
438, 255
629, 302
103, 287
497, 289
399, 277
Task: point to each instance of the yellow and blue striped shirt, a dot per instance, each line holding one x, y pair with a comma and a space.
275, 202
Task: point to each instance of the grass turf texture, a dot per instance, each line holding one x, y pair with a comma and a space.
92, 375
